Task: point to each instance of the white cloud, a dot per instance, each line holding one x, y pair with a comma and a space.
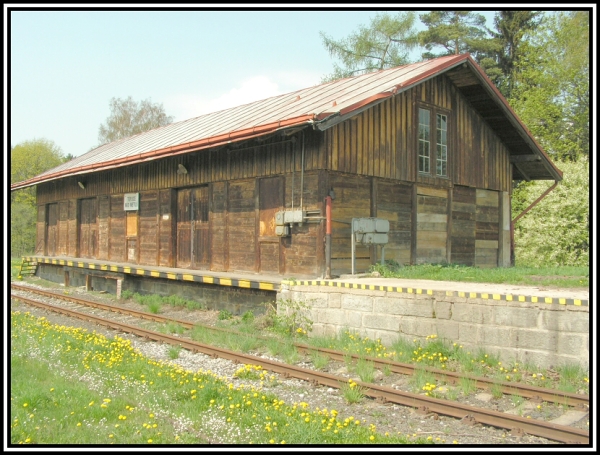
186, 106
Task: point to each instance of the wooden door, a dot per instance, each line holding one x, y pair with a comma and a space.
193, 228
270, 202
88, 228
52, 234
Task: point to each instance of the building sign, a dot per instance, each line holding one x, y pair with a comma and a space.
131, 201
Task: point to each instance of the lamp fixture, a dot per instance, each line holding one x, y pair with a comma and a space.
181, 169
81, 185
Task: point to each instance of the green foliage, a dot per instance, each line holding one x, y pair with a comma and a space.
225, 315
565, 276
128, 117
551, 86
28, 159
352, 392
512, 31
385, 43
174, 352
22, 228
127, 294
556, 231
455, 32
289, 317
248, 317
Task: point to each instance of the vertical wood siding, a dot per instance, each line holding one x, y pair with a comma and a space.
103, 226
394, 204
432, 227
464, 207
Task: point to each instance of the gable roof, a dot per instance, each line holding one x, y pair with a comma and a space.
321, 106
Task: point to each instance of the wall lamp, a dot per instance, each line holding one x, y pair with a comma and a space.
181, 169
81, 185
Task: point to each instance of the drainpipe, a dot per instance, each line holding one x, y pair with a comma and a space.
328, 237
513, 222
302, 176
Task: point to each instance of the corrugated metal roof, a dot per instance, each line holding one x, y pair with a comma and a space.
322, 105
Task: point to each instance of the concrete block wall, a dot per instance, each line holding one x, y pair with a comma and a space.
539, 334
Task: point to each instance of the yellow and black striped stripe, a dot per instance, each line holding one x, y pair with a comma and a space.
470, 295
148, 272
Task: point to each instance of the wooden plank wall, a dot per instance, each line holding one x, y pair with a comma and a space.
462, 235
376, 142
148, 235
63, 228
73, 234
301, 250
218, 220
381, 141
242, 225
394, 203
352, 200
166, 228
103, 226
487, 229
117, 244
432, 225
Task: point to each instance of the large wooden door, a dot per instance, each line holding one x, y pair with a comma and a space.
52, 234
270, 202
88, 228
193, 228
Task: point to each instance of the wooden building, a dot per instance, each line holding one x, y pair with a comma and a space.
432, 147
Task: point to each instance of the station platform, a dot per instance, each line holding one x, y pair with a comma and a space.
233, 279
265, 282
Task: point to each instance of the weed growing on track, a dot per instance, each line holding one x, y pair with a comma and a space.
319, 360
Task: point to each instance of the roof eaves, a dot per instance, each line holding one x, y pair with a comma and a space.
514, 120
234, 136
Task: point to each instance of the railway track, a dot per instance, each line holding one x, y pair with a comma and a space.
423, 404
537, 394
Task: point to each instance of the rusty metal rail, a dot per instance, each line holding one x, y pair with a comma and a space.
422, 403
524, 390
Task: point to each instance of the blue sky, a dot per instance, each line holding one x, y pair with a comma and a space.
65, 66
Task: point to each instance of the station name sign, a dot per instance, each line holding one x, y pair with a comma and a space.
131, 201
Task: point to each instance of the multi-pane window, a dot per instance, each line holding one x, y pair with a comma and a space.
427, 154
442, 146
424, 140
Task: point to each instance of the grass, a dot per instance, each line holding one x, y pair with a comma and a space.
431, 351
70, 386
569, 277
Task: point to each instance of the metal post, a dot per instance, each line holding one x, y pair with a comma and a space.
328, 237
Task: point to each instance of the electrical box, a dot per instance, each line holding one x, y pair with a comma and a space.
374, 238
279, 219
362, 225
282, 231
293, 216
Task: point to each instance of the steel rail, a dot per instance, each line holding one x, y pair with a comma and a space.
471, 415
537, 394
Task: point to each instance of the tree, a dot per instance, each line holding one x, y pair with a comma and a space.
456, 32
28, 159
128, 117
512, 29
385, 43
551, 85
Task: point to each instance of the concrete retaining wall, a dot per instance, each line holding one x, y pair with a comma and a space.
538, 334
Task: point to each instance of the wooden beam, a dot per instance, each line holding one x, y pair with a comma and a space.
525, 175
524, 158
